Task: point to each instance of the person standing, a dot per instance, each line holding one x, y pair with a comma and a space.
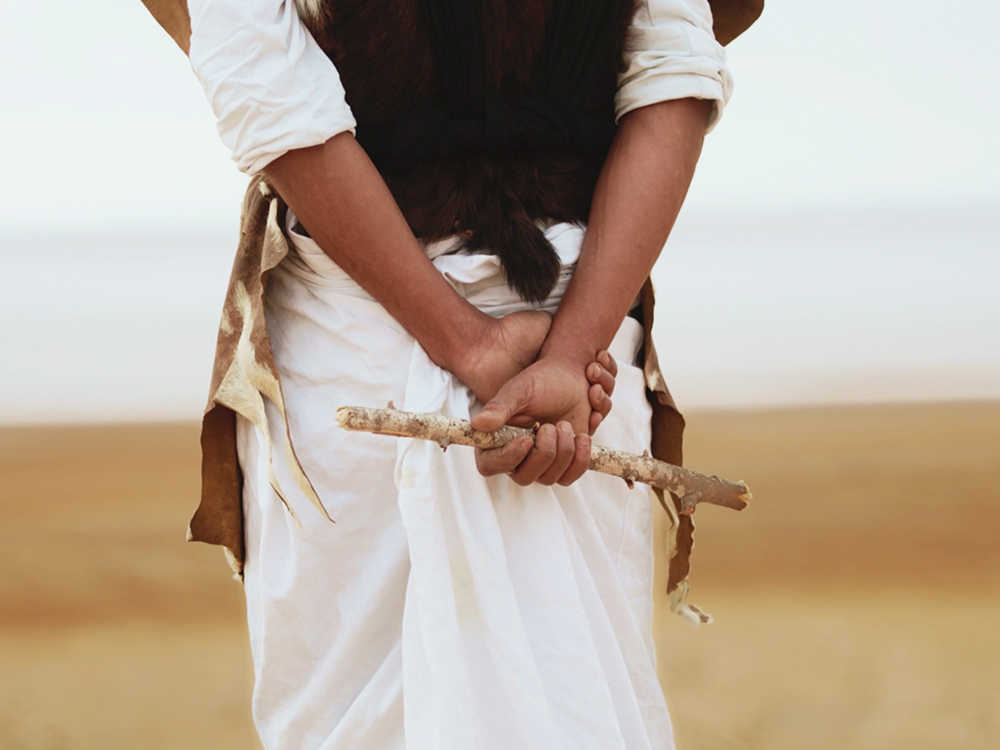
455, 207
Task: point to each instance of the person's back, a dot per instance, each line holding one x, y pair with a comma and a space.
448, 607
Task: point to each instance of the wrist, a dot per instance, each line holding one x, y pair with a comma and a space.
582, 327
464, 341
574, 350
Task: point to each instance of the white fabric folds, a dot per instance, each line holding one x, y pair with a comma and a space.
443, 609
674, 56
271, 88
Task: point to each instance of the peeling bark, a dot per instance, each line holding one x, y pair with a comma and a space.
690, 486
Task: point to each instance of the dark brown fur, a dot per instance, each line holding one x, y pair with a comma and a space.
383, 52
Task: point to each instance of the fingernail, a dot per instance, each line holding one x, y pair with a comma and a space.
584, 440
566, 427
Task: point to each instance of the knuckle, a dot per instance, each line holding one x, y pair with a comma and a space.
546, 451
516, 450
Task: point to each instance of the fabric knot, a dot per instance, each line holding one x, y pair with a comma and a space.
528, 119
501, 126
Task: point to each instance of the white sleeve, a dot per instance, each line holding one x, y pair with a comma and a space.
674, 56
271, 87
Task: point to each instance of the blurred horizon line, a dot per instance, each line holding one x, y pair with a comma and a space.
755, 309
769, 408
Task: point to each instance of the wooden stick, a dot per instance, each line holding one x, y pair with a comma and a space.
691, 486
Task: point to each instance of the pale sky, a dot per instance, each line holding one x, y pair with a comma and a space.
840, 241
893, 101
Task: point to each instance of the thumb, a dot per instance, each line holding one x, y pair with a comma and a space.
510, 401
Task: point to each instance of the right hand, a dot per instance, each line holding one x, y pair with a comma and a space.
569, 400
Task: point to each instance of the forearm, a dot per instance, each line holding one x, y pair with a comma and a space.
339, 196
638, 196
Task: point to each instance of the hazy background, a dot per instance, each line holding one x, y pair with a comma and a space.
829, 319
839, 242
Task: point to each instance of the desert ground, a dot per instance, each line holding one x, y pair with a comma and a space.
856, 602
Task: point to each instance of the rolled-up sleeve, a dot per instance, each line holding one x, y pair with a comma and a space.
270, 85
674, 55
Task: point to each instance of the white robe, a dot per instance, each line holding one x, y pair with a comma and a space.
443, 610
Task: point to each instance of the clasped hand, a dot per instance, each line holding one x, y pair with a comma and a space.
520, 388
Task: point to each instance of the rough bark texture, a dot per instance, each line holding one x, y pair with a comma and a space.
690, 486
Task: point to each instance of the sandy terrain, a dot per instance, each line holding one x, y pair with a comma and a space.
857, 602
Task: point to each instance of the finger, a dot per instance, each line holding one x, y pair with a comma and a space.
608, 362
595, 421
503, 460
565, 446
599, 400
602, 377
596, 396
510, 400
580, 463
539, 458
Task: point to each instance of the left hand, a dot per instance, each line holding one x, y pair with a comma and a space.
503, 349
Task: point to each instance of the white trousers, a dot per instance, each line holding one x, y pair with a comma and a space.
442, 610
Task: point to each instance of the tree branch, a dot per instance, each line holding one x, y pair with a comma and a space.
691, 486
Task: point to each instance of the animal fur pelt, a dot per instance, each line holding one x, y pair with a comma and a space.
494, 197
